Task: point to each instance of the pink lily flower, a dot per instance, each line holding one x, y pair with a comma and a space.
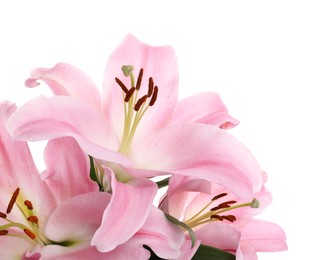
221, 219
55, 214
137, 127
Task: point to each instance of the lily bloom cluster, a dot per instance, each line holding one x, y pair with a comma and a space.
95, 200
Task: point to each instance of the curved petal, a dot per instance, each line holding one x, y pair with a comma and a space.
206, 108
157, 62
64, 79
263, 236
13, 248
129, 207
202, 151
219, 235
68, 169
163, 237
59, 116
187, 250
77, 219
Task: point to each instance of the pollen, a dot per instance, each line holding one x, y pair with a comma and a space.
3, 232
29, 233
29, 205
33, 219
3, 215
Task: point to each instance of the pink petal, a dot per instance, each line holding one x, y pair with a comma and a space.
202, 151
48, 118
163, 237
68, 169
263, 236
129, 207
64, 79
78, 218
219, 235
157, 62
206, 108
13, 247
187, 250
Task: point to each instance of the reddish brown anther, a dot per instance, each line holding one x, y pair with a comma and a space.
230, 218
150, 87
154, 96
33, 219
13, 200
129, 94
121, 84
29, 233
3, 232
28, 204
216, 217
140, 102
139, 79
3, 215
219, 196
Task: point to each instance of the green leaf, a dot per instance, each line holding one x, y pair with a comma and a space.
163, 183
207, 253
183, 225
93, 175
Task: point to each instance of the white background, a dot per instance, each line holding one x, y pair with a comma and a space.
261, 56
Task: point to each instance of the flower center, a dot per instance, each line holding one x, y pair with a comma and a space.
29, 228
217, 213
135, 105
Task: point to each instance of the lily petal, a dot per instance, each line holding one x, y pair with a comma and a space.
65, 79
67, 167
12, 248
206, 108
71, 213
129, 207
157, 62
202, 151
48, 118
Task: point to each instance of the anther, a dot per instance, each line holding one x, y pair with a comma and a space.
230, 218
140, 102
223, 205
28, 204
121, 84
139, 79
150, 87
219, 196
216, 217
129, 94
33, 219
3, 215
154, 96
29, 233
3, 232
13, 200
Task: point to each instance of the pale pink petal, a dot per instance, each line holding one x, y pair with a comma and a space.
68, 169
263, 236
219, 235
48, 118
157, 62
66, 223
206, 108
13, 248
187, 250
201, 151
129, 207
163, 237
64, 79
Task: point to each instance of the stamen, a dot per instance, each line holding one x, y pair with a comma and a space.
13, 200
154, 96
121, 84
230, 218
29, 205
216, 217
3, 232
150, 87
3, 215
139, 79
33, 219
129, 94
219, 196
140, 102
29, 233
